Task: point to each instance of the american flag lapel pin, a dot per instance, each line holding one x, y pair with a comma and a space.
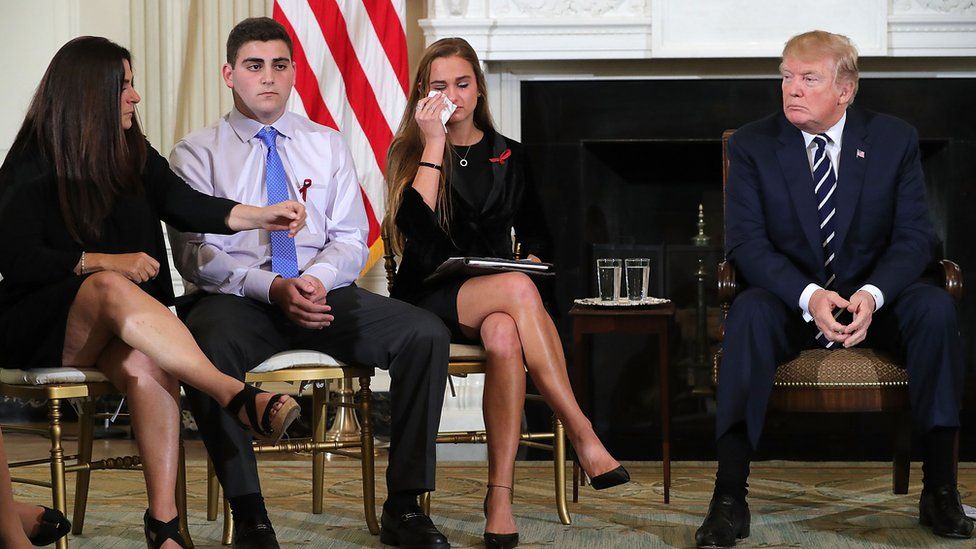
860, 153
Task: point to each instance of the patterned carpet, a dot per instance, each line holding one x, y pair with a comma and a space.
793, 505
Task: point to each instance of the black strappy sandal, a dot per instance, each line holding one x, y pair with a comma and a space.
53, 526
270, 427
157, 531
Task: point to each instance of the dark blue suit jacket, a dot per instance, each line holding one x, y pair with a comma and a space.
883, 233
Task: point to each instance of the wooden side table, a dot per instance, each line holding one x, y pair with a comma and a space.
654, 320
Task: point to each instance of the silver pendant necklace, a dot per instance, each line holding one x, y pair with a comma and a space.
463, 162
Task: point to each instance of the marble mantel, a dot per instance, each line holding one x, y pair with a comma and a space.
509, 30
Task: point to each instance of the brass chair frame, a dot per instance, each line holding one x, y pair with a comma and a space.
320, 376
837, 398
463, 366
81, 463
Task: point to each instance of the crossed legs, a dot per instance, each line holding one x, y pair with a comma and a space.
145, 351
507, 312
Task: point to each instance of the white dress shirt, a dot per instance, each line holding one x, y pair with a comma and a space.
836, 134
228, 160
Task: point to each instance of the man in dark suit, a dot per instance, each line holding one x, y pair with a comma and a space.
827, 222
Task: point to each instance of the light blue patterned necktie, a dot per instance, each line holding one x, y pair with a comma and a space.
284, 260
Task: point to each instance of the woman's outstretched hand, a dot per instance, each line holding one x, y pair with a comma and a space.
283, 216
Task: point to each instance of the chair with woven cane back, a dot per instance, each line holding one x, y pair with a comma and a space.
56, 387
471, 359
843, 380
300, 368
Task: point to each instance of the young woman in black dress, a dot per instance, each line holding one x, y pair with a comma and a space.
461, 193
85, 275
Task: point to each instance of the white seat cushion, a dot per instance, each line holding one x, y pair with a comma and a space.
297, 359
50, 376
467, 352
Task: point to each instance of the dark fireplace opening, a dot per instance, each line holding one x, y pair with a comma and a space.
622, 166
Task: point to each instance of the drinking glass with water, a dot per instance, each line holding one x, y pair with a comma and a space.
608, 276
638, 273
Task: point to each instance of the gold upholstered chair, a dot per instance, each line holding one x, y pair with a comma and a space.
470, 359
300, 368
843, 380
57, 387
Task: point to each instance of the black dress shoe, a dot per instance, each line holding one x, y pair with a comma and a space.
254, 534
941, 510
54, 526
412, 530
727, 520
610, 479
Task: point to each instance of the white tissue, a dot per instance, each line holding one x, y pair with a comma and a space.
446, 113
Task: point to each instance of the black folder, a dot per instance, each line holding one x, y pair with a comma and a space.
475, 266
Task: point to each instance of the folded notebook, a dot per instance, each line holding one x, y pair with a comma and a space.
474, 266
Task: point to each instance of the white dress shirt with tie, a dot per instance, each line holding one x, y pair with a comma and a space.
836, 134
228, 160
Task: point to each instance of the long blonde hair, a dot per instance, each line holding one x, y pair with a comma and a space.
408, 146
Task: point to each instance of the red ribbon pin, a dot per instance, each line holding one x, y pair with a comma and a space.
502, 157
304, 189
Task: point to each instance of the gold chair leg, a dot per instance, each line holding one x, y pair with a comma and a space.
228, 536
57, 462
559, 465
181, 497
86, 428
367, 457
425, 503
320, 401
213, 491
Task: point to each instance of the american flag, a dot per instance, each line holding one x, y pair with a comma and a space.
351, 60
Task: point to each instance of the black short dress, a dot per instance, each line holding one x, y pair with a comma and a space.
38, 255
489, 196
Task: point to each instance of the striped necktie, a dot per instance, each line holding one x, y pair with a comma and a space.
284, 260
825, 184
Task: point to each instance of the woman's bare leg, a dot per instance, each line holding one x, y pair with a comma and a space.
503, 402
154, 404
11, 528
516, 295
110, 306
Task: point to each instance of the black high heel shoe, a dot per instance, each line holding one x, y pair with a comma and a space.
54, 526
157, 531
499, 541
610, 479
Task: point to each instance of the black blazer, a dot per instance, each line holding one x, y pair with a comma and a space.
475, 230
36, 249
883, 233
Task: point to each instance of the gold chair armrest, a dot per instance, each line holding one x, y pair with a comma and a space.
952, 278
727, 287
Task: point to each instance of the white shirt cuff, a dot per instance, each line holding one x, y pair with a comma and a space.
326, 274
805, 300
257, 284
876, 294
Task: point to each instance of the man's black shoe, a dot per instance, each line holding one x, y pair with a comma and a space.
941, 510
727, 520
249, 534
411, 530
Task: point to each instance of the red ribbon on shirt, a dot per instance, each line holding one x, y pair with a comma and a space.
502, 157
304, 189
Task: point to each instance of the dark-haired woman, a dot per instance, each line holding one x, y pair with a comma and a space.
85, 276
461, 193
